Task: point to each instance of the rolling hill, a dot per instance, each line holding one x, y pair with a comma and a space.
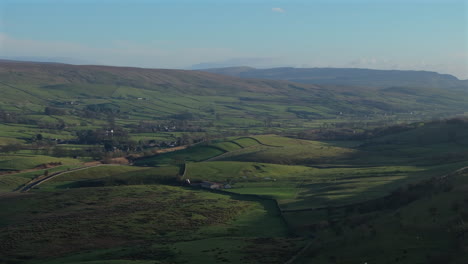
348, 76
59, 100
28, 87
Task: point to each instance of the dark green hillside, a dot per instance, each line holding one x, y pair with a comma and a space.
436, 142
427, 133
429, 228
140, 224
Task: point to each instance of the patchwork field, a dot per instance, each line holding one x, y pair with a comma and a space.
268, 194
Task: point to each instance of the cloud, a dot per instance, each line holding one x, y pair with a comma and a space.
278, 10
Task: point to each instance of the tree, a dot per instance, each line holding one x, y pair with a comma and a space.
54, 111
268, 121
12, 147
186, 139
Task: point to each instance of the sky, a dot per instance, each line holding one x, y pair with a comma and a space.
379, 34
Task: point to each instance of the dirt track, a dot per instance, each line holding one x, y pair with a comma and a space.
41, 180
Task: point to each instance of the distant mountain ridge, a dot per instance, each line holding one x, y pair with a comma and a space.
44, 59
348, 76
147, 94
47, 74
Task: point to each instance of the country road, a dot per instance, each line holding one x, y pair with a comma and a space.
34, 183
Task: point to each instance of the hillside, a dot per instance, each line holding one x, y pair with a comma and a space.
57, 75
64, 103
348, 76
28, 87
422, 223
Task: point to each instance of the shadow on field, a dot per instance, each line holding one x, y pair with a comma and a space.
270, 205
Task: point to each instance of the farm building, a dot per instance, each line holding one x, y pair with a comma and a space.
211, 185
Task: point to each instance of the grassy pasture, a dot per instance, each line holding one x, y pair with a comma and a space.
228, 146
424, 231
282, 150
9, 140
195, 153
20, 132
300, 187
109, 175
200, 152
348, 178
117, 220
430, 133
246, 141
13, 162
11, 182
244, 171
153, 136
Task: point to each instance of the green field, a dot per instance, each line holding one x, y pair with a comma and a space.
428, 230
299, 187
198, 153
201, 152
139, 223
112, 176
282, 150
19, 161
12, 182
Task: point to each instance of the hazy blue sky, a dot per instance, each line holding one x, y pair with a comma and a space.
382, 34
